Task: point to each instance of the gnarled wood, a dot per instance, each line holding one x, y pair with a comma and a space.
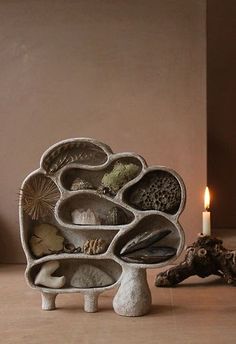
205, 257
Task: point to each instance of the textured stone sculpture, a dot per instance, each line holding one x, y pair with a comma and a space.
110, 239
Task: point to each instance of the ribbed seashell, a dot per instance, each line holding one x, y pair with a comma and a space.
116, 216
95, 246
80, 184
84, 217
90, 276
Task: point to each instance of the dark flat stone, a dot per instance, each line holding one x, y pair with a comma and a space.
150, 255
144, 240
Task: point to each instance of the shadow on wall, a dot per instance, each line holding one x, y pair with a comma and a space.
221, 181
221, 52
8, 243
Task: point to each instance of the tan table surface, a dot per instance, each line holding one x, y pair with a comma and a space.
198, 311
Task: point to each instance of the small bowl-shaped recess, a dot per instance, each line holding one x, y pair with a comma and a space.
155, 239
157, 190
82, 273
78, 151
106, 212
93, 178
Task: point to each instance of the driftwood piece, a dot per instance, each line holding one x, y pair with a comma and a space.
205, 257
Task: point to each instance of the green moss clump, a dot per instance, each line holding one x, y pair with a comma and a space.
119, 176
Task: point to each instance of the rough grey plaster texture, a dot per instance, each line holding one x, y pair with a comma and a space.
77, 272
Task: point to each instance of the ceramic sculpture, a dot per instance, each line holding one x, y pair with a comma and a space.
92, 220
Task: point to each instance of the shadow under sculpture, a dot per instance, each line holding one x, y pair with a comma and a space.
92, 220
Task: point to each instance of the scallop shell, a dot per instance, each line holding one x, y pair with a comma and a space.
90, 276
95, 246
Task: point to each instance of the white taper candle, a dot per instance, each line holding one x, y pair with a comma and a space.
206, 215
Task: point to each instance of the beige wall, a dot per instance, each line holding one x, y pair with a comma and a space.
129, 73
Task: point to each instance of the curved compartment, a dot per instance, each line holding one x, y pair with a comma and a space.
47, 239
78, 274
76, 151
156, 190
153, 240
108, 180
87, 208
80, 236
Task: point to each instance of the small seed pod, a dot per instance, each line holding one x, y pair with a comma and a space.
202, 252
69, 248
217, 250
190, 249
78, 249
95, 246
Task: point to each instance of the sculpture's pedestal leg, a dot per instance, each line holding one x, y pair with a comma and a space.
133, 297
91, 303
48, 301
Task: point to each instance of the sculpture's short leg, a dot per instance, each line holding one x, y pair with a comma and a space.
133, 297
91, 302
48, 301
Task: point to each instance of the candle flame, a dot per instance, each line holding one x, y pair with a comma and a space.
207, 199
